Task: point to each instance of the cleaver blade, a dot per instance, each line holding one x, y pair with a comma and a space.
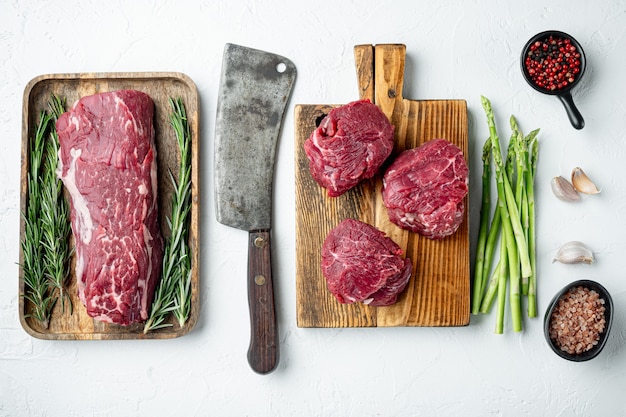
255, 87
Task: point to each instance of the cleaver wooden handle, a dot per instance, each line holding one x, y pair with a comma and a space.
263, 350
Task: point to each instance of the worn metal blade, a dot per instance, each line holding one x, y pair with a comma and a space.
254, 90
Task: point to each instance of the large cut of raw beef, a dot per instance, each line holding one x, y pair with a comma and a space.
360, 263
107, 161
350, 145
424, 189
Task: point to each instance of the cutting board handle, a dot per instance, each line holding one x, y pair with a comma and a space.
380, 74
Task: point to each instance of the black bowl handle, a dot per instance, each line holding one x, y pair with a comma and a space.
575, 118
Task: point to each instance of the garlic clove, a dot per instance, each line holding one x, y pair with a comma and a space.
574, 252
564, 190
582, 183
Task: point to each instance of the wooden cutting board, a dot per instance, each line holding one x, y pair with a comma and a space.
438, 293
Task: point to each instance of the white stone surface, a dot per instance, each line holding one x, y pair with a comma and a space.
455, 49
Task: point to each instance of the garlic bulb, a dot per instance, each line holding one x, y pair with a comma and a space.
574, 252
563, 189
582, 183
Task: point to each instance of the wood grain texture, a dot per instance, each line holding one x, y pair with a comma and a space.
438, 293
264, 350
160, 87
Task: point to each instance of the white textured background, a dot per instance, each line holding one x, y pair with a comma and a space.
455, 49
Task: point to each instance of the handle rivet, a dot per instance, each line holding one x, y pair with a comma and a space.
259, 242
259, 280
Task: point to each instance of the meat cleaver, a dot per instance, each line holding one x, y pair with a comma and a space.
254, 90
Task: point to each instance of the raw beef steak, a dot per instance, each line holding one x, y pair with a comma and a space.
424, 188
360, 263
107, 161
350, 145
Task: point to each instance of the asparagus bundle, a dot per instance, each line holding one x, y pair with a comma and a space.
512, 221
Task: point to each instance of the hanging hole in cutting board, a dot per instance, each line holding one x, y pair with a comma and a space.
281, 67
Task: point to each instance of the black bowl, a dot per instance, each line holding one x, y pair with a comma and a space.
564, 94
608, 317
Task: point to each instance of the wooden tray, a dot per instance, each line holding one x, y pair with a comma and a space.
160, 86
438, 293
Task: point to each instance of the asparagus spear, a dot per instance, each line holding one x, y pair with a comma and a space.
479, 276
494, 281
501, 284
521, 158
492, 239
533, 145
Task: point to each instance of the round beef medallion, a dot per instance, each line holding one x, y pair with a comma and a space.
424, 189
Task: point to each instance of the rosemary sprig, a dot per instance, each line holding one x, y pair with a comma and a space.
55, 219
45, 245
37, 290
182, 199
173, 293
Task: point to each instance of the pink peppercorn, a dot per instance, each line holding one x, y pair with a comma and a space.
552, 63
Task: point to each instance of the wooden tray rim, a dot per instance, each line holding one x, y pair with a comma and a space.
139, 76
